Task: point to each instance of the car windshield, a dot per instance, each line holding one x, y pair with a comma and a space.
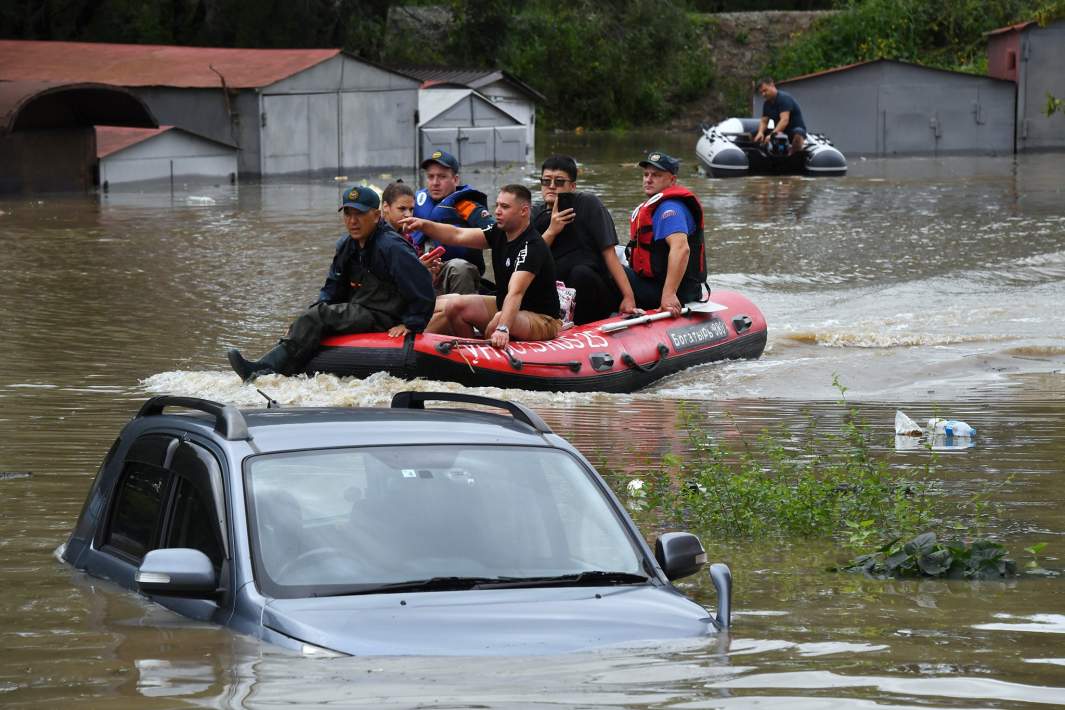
356, 521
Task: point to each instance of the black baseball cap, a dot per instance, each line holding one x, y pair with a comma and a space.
657, 159
360, 198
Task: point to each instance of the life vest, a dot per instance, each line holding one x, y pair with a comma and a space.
650, 258
446, 211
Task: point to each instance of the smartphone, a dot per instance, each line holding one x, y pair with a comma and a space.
565, 200
435, 253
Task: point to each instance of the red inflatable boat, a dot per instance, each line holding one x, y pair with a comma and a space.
614, 355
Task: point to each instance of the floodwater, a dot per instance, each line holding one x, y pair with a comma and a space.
935, 286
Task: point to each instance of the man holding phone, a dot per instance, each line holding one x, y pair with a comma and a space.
582, 237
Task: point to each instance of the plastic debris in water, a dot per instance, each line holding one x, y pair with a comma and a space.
904, 426
950, 428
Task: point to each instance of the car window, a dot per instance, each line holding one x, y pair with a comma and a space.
381, 515
134, 524
191, 524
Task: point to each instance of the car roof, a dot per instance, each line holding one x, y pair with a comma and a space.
332, 426
284, 429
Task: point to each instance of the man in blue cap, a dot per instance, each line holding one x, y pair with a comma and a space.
375, 284
667, 253
444, 199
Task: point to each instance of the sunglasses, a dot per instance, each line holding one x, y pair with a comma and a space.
558, 182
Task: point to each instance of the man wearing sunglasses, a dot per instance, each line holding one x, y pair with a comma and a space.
667, 253
582, 240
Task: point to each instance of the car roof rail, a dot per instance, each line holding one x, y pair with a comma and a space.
228, 421
417, 400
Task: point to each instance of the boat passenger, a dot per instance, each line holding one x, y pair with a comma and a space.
783, 109
445, 199
397, 203
526, 305
582, 240
375, 283
667, 254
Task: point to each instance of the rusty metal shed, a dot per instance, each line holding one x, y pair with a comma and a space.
287, 110
888, 107
47, 142
1033, 57
133, 155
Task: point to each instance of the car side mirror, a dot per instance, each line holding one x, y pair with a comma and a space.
177, 571
680, 554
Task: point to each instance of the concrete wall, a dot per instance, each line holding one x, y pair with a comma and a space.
58, 160
1042, 71
171, 154
891, 108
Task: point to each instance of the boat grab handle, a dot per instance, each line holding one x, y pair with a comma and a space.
629, 360
445, 348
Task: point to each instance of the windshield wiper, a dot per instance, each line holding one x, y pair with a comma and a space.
591, 578
433, 584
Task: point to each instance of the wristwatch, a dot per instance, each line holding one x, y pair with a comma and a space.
502, 329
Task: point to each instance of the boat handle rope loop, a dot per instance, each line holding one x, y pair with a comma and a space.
445, 347
629, 360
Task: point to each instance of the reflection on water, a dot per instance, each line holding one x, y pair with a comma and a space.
930, 285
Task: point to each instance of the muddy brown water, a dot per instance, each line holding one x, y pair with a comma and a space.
935, 286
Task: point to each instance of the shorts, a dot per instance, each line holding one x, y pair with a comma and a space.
541, 327
798, 131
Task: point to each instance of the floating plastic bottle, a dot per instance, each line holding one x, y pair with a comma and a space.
950, 428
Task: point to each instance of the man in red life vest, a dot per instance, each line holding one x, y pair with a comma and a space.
667, 254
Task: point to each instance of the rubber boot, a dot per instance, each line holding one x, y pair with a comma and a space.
270, 363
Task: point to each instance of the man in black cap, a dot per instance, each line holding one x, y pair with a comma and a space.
375, 283
667, 254
447, 201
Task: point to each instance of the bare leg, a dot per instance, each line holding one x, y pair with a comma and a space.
464, 313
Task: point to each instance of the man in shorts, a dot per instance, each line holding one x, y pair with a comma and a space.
526, 305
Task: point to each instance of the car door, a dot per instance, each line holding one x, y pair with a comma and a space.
194, 516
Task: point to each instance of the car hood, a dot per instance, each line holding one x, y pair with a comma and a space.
490, 621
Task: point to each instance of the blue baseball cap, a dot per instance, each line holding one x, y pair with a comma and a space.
657, 159
442, 158
360, 198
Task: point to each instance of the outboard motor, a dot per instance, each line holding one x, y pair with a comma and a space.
778, 145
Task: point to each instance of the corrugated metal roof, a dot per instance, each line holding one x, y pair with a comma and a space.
111, 139
473, 78
153, 65
847, 67
1011, 28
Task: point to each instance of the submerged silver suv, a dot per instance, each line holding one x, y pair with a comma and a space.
383, 531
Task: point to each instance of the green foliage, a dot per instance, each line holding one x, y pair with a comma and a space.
925, 556
1054, 104
947, 34
774, 487
607, 65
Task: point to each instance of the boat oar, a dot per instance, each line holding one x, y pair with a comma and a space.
640, 320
